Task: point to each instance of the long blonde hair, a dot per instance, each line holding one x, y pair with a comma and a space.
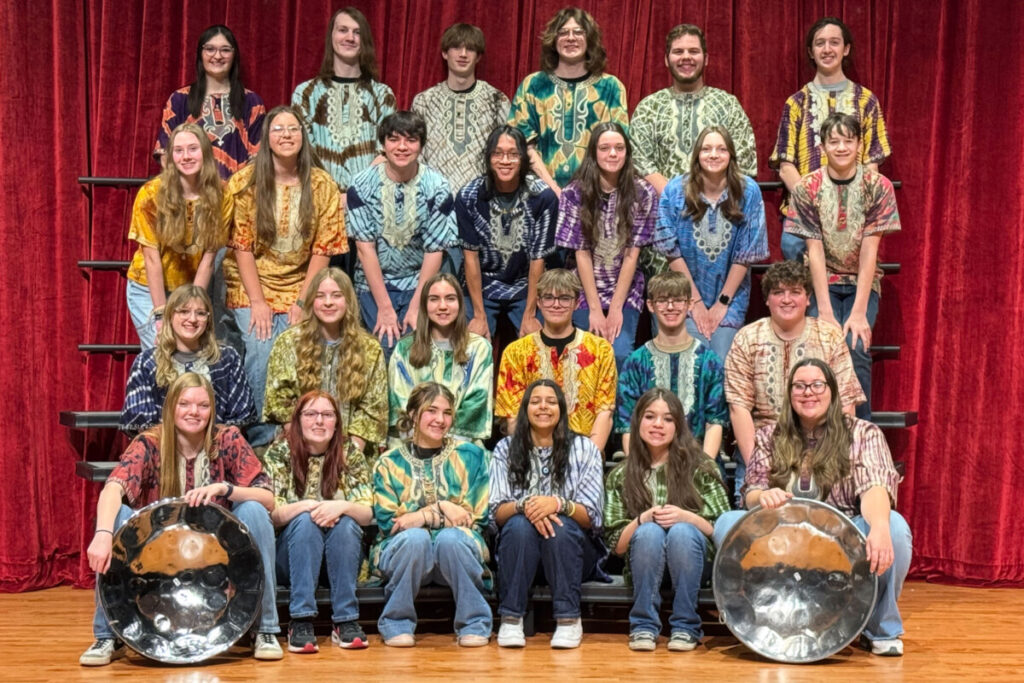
167, 436
309, 346
209, 230
830, 458
166, 342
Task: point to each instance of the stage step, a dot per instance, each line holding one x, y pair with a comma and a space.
887, 268
115, 348
90, 419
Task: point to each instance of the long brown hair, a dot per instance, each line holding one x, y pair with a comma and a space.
694, 208
368, 71
351, 383
685, 458
420, 351
208, 228
334, 456
830, 458
166, 433
588, 176
264, 184
167, 343
595, 57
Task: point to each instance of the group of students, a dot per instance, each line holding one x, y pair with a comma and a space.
460, 212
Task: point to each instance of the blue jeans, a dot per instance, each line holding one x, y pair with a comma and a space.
512, 310
885, 621
257, 354
739, 475
842, 298
303, 547
400, 301
567, 559
257, 520
681, 548
721, 338
140, 307
793, 247
624, 343
412, 560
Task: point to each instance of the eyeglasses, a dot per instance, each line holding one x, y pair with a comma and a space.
327, 415
662, 304
574, 32
816, 387
505, 156
200, 314
211, 50
281, 130
563, 299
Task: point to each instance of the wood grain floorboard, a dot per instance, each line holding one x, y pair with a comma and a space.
968, 634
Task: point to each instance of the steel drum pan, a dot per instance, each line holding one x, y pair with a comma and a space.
794, 583
184, 582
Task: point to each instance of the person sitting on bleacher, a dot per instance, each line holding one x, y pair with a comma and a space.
323, 497
842, 210
815, 451
188, 455
329, 350
763, 352
660, 505
430, 503
179, 221
186, 343
547, 499
287, 222
675, 361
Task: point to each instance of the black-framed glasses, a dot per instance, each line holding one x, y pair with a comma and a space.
816, 387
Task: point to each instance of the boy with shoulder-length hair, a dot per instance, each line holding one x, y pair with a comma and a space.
556, 107
462, 110
675, 361
581, 363
400, 216
842, 210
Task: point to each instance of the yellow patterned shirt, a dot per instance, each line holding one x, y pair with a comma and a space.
585, 370
179, 263
282, 265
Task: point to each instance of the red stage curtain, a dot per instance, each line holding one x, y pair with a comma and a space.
84, 85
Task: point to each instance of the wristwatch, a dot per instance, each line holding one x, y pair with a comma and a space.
724, 299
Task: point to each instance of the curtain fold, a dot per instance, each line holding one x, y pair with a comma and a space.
86, 83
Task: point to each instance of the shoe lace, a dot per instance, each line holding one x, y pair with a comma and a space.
266, 639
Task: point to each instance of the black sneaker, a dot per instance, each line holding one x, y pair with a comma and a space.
349, 636
301, 637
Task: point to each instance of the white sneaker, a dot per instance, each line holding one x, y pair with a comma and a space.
568, 634
888, 647
267, 647
102, 652
510, 633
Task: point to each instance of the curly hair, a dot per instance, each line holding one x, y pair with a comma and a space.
685, 458
167, 343
694, 207
785, 273
172, 224
420, 351
830, 458
595, 57
334, 457
309, 347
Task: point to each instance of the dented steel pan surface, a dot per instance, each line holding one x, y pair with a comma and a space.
184, 582
793, 583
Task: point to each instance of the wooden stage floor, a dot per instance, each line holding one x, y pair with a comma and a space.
952, 633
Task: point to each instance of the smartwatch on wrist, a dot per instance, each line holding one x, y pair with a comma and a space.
724, 299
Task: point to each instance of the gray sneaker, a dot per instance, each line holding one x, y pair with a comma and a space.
642, 641
266, 647
681, 641
102, 652
510, 633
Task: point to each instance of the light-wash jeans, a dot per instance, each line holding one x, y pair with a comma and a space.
256, 519
140, 307
681, 548
257, 355
412, 560
303, 548
400, 301
624, 344
721, 338
885, 621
